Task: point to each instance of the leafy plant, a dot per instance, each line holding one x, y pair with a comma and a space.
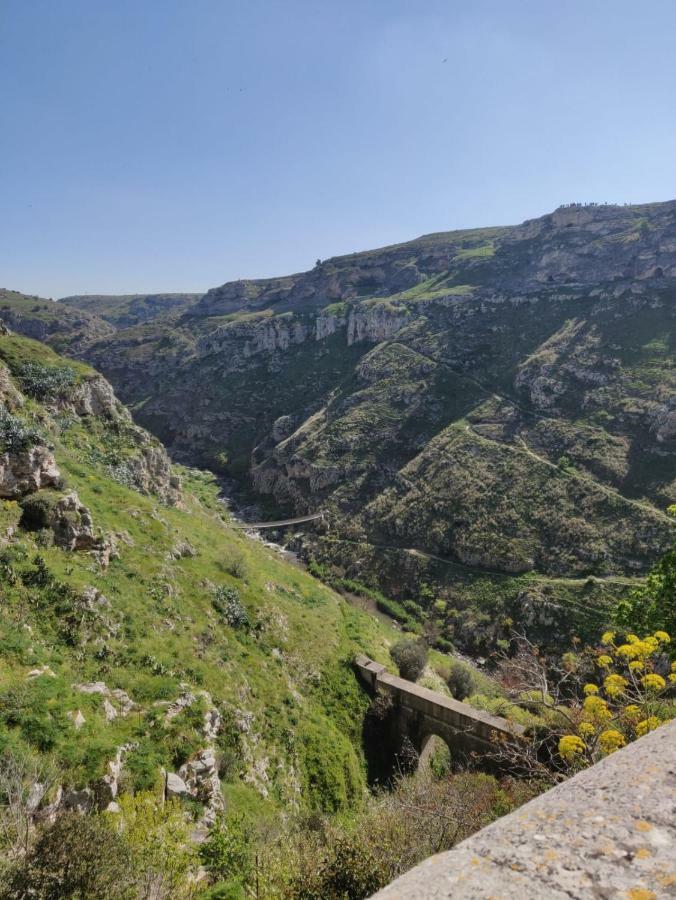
410, 655
227, 852
76, 856
15, 435
227, 601
45, 382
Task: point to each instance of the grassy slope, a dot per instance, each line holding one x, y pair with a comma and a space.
289, 672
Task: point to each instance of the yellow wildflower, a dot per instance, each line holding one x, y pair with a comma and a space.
608, 637
611, 740
626, 651
662, 637
614, 685
673, 667
653, 682
604, 661
641, 649
632, 712
586, 729
590, 689
570, 746
649, 644
649, 724
672, 678
632, 639
596, 708
636, 665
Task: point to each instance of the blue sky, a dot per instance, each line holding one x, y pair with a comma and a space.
171, 145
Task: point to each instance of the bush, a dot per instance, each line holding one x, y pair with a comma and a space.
420, 816
460, 680
43, 382
15, 435
158, 835
37, 511
235, 564
227, 601
227, 854
410, 655
77, 856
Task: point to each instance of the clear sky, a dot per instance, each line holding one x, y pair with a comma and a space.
172, 145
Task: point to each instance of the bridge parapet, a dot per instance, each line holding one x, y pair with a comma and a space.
422, 712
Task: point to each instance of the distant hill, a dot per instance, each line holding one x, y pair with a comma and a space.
124, 310
489, 416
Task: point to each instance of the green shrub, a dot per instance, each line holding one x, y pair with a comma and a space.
45, 382
460, 680
77, 856
37, 511
410, 655
15, 435
227, 853
227, 601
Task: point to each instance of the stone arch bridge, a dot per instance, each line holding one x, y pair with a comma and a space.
418, 714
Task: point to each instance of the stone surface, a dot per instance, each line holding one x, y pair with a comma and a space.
26, 471
176, 787
609, 832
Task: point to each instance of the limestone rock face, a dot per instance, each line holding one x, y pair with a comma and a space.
151, 471
27, 471
95, 397
175, 786
72, 525
373, 325
242, 340
663, 423
200, 778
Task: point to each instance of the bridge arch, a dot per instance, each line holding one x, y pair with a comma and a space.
435, 750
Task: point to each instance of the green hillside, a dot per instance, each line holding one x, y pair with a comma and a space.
163, 617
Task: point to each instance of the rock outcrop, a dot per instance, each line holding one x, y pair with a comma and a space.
26, 471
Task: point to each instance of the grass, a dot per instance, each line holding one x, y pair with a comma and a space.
287, 673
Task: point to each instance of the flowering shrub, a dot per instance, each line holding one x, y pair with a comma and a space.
229, 604
629, 702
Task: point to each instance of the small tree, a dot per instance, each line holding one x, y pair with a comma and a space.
653, 606
410, 655
460, 680
78, 857
24, 780
227, 852
158, 836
